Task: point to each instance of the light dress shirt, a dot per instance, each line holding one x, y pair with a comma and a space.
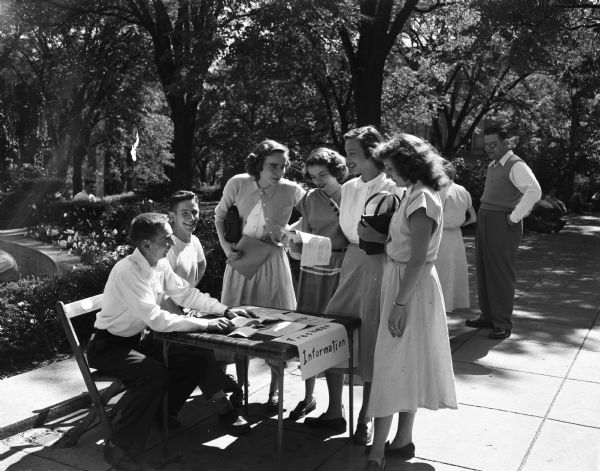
133, 292
355, 193
184, 258
524, 180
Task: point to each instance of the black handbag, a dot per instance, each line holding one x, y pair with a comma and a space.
233, 225
380, 221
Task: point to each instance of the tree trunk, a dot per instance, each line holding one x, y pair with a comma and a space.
184, 120
368, 89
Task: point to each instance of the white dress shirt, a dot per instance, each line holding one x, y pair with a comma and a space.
133, 292
524, 180
355, 193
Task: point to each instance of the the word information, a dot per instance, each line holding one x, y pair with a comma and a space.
320, 347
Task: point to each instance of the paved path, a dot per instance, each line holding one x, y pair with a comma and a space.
528, 403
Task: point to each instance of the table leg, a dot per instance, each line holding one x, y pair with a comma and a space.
245, 379
280, 372
165, 411
351, 382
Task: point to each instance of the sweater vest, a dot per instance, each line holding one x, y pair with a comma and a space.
499, 193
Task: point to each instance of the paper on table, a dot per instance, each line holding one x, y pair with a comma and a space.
316, 250
282, 328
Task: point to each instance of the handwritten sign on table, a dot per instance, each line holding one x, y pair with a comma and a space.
319, 347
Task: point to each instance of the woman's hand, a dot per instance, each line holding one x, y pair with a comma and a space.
295, 249
230, 251
397, 320
368, 233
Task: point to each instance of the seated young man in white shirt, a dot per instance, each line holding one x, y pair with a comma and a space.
134, 292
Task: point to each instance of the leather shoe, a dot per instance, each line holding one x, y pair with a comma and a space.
235, 423
498, 334
363, 433
406, 452
120, 458
272, 403
303, 409
337, 425
479, 323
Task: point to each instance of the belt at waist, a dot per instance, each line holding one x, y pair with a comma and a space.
451, 228
106, 335
398, 262
339, 250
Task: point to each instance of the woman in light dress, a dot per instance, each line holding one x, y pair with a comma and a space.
265, 201
451, 262
413, 362
357, 294
320, 210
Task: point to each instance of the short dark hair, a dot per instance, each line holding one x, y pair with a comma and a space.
369, 138
496, 128
179, 196
256, 159
146, 226
414, 159
335, 163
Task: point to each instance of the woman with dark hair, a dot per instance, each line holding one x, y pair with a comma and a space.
265, 201
357, 294
326, 170
413, 363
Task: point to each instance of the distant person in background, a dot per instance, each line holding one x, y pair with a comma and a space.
451, 262
509, 193
186, 256
578, 204
596, 201
9, 270
555, 202
87, 193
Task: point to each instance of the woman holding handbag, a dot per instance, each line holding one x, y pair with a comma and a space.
264, 200
357, 294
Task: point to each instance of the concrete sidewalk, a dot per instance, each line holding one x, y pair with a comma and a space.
528, 403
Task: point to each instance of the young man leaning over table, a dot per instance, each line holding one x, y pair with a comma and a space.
138, 289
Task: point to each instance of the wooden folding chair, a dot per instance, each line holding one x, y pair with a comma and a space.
79, 316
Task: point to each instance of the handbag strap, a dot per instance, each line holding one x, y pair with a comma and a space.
384, 194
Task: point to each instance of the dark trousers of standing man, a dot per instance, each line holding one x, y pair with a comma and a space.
139, 364
496, 247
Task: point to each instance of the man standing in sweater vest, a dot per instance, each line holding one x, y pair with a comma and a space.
509, 194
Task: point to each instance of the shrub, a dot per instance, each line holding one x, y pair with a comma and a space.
90, 230
29, 330
18, 207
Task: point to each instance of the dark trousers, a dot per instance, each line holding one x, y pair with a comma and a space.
139, 364
496, 247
